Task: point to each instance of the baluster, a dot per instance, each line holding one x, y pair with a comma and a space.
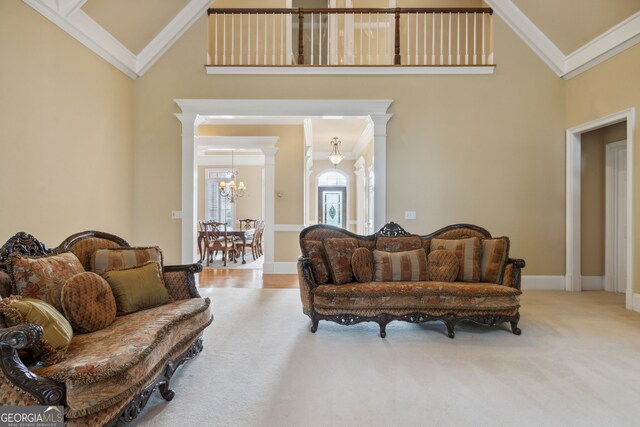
466, 39
397, 59
282, 25
249, 38
441, 39
378, 38
433, 39
233, 36
312, 46
424, 50
417, 47
224, 39
215, 55
408, 39
475, 46
257, 38
320, 37
241, 45
370, 34
458, 39
300, 37
361, 53
449, 38
484, 58
273, 39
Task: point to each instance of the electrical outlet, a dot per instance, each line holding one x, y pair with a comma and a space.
410, 215
176, 214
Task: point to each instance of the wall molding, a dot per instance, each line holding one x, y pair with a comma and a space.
289, 227
636, 302
593, 283
345, 70
543, 283
280, 268
613, 41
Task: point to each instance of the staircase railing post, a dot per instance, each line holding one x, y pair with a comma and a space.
300, 37
397, 60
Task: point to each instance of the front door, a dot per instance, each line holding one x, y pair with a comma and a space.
332, 205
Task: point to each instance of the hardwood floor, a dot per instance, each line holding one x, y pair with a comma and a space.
245, 278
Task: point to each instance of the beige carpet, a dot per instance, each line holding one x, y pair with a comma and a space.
577, 363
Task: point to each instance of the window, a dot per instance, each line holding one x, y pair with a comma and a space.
217, 208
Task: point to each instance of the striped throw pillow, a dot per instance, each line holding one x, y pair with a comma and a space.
494, 257
407, 266
118, 258
468, 252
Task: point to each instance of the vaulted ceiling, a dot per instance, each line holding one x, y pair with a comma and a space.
569, 35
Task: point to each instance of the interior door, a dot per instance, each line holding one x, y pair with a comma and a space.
332, 205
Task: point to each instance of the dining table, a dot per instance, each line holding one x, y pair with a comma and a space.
232, 233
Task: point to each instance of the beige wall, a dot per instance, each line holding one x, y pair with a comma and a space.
66, 132
610, 87
481, 149
592, 188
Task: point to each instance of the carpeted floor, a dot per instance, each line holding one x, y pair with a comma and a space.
577, 363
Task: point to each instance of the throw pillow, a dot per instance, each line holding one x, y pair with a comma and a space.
119, 258
43, 277
137, 288
494, 257
399, 243
407, 266
57, 332
443, 266
88, 302
315, 250
468, 252
339, 252
362, 265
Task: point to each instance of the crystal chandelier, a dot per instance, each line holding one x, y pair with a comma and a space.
335, 157
229, 189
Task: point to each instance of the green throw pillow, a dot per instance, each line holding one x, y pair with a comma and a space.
57, 332
137, 288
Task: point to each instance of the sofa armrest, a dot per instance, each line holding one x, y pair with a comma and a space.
36, 388
180, 280
513, 272
307, 284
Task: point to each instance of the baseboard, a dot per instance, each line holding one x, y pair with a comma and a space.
280, 268
593, 283
543, 283
635, 306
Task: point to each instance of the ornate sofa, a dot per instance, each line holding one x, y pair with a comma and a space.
106, 376
488, 296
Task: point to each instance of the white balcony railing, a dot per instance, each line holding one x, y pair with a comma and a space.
424, 37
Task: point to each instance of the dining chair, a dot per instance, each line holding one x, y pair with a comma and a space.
254, 242
217, 240
247, 223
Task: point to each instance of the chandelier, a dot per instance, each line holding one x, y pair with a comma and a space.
335, 157
229, 189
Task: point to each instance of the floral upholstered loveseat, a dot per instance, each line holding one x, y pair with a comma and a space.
458, 273
111, 368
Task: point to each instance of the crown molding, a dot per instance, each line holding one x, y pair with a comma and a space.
225, 160
68, 15
611, 42
236, 142
530, 34
608, 44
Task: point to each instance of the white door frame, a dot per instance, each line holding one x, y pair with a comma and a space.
193, 110
573, 278
611, 211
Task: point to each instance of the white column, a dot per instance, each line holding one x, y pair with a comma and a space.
360, 194
380, 169
269, 208
189, 188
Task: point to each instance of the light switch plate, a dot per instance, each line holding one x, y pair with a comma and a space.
410, 215
176, 214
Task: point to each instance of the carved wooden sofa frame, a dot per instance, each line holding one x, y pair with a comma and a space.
48, 392
308, 285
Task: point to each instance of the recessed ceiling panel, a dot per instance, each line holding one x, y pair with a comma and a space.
133, 22
348, 130
571, 24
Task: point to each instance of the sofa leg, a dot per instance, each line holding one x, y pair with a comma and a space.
450, 321
166, 393
514, 324
383, 329
314, 325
